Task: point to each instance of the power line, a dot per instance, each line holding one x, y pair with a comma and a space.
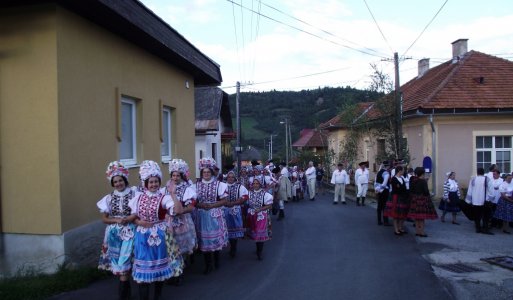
307, 32
418, 37
377, 25
290, 78
236, 39
320, 29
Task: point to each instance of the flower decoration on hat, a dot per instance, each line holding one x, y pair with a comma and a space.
148, 169
178, 165
116, 168
207, 162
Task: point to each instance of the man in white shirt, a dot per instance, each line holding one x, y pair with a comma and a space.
477, 195
495, 195
310, 179
361, 179
340, 179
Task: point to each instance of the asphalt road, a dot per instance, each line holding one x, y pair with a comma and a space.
319, 251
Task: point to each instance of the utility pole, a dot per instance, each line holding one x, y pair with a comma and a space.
398, 110
238, 149
290, 142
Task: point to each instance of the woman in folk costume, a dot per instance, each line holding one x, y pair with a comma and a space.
398, 207
451, 199
210, 223
421, 206
182, 238
237, 196
151, 260
259, 204
118, 242
243, 177
504, 209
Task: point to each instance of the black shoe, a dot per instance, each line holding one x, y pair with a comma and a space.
217, 265
344, 202
357, 201
363, 201
312, 199
281, 215
487, 232
335, 203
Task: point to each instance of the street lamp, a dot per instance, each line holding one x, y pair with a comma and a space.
286, 122
271, 147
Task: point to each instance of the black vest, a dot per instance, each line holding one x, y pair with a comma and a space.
379, 176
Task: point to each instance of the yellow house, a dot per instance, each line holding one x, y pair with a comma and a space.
83, 83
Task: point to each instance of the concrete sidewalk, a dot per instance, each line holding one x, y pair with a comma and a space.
459, 244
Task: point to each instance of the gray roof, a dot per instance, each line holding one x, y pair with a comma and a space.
134, 22
211, 104
250, 154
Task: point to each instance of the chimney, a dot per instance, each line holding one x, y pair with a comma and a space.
459, 49
423, 66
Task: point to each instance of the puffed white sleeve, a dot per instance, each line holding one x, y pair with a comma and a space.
104, 204
168, 203
189, 195
243, 192
268, 199
133, 203
221, 191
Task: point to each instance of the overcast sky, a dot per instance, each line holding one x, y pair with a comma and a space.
311, 44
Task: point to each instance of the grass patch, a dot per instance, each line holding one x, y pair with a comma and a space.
248, 130
43, 286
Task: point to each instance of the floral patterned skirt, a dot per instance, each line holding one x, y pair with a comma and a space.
504, 210
259, 226
211, 229
184, 232
233, 217
397, 207
151, 260
421, 208
117, 247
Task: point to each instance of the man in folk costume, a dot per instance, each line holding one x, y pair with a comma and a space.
210, 223
477, 195
237, 196
340, 179
311, 176
361, 179
382, 188
284, 193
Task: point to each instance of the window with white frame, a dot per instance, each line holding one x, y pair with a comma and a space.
165, 146
127, 145
494, 150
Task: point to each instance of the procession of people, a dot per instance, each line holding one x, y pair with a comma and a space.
153, 232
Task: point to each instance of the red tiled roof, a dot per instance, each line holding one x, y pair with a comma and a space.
311, 138
477, 80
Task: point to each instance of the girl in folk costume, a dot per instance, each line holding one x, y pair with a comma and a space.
257, 173
398, 207
243, 178
118, 242
210, 223
237, 196
258, 217
182, 239
421, 206
451, 199
151, 260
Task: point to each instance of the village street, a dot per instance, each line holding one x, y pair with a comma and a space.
325, 251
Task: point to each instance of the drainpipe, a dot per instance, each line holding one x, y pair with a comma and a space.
433, 156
